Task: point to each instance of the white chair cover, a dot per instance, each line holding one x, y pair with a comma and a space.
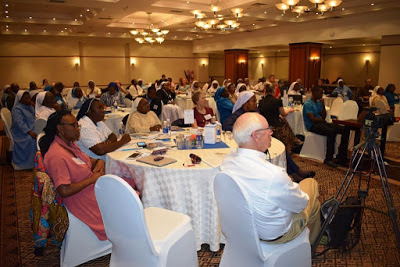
6, 119
243, 246
393, 133
171, 112
38, 139
336, 106
314, 146
380, 105
39, 125
81, 244
348, 111
150, 237
397, 110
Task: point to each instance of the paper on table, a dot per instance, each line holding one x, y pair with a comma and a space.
188, 116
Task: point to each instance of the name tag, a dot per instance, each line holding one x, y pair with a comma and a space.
207, 117
155, 107
78, 161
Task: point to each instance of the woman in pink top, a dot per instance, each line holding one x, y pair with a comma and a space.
73, 172
202, 114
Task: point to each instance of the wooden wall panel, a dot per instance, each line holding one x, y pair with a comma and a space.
236, 64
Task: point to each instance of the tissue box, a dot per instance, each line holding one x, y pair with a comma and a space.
210, 134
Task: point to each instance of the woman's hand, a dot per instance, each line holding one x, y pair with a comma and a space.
32, 134
155, 128
99, 167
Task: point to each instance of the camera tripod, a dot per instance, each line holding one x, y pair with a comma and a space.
369, 145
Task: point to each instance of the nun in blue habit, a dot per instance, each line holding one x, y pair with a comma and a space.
224, 104
23, 119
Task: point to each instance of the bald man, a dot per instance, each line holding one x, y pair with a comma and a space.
282, 208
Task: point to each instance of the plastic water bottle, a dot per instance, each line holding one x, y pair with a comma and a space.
165, 128
169, 127
115, 105
285, 100
121, 130
219, 128
199, 140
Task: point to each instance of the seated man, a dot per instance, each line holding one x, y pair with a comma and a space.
314, 114
154, 101
282, 209
342, 90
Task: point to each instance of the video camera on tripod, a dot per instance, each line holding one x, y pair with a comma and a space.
373, 122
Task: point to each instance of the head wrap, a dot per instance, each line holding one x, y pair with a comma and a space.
224, 82
192, 87
113, 84
238, 87
340, 80
85, 108
5, 87
32, 93
215, 82
293, 85
19, 95
135, 104
161, 85
388, 87
92, 82
42, 112
48, 88
242, 99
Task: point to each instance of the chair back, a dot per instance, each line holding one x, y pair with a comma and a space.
237, 222
336, 106
171, 112
348, 111
38, 140
39, 126
397, 110
124, 222
6, 119
380, 105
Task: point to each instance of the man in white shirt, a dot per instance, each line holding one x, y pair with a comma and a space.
282, 208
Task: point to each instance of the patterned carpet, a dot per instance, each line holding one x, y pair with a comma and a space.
376, 248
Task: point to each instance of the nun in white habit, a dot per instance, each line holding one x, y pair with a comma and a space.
141, 118
44, 105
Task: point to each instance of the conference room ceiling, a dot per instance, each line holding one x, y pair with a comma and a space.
115, 18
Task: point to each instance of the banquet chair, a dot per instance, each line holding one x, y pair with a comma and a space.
243, 245
38, 140
336, 106
380, 105
6, 119
143, 237
81, 244
171, 112
349, 111
393, 133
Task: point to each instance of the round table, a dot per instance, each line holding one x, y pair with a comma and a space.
113, 120
184, 189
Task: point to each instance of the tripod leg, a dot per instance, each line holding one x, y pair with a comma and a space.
392, 213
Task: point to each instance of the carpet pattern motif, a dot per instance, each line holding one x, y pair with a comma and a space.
377, 246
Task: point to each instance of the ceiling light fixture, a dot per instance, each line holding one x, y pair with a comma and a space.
216, 23
151, 35
320, 5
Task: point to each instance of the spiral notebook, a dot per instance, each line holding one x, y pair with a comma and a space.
160, 163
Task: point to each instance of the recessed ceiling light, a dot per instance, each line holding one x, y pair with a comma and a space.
6, 5
316, 13
25, 30
30, 17
76, 19
65, 28
54, 18
7, 17
88, 10
6, 30
109, 33
80, 15
62, 31
254, 24
124, 33
187, 2
6, 11
279, 51
343, 8
372, 4
44, 31
363, 44
197, 35
330, 47
6, 26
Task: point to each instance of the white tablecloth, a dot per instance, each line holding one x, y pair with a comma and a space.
188, 190
113, 120
296, 122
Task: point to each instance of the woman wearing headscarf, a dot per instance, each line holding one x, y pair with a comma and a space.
231, 90
74, 173
195, 87
45, 105
76, 99
224, 104
165, 94
342, 90
202, 114
390, 95
23, 119
112, 95
142, 119
6, 92
96, 138
246, 102
294, 89
240, 87
93, 89
380, 97
213, 88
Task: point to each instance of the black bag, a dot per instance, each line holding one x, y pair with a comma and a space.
346, 219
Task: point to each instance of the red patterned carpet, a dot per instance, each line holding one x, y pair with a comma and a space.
376, 248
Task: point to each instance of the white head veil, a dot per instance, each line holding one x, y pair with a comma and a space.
19, 95
192, 87
161, 85
340, 80
42, 112
238, 87
292, 86
135, 104
242, 99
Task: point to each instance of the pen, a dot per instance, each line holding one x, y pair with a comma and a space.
129, 149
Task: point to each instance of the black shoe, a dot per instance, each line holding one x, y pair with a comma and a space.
330, 163
341, 162
309, 174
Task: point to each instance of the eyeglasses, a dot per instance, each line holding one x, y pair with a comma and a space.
75, 125
270, 129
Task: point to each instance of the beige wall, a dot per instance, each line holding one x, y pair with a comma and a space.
32, 58
389, 71
350, 64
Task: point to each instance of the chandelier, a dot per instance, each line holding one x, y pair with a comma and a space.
218, 22
151, 35
320, 5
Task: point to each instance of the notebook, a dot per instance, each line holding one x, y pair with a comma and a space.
160, 163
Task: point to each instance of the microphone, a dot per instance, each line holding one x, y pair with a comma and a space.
195, 159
